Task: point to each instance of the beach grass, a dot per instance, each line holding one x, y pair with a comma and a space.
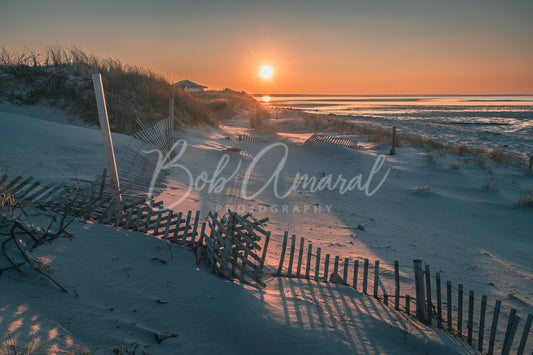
61, 78
378, 135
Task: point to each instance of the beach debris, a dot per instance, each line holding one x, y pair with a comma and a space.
360, 227
160, 337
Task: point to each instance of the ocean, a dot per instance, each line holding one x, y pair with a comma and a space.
503, 121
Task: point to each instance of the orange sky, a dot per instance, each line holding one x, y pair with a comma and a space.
319, 47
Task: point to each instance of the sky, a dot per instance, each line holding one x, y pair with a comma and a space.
379, 47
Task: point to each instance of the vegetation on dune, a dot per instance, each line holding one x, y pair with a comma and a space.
61, 78
379, 135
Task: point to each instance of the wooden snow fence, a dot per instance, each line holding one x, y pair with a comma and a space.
447, 307
345, 142
136, 166
236, 246
249, 138
488, 329
76, 200
299, 260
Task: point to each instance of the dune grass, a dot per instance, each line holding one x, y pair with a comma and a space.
61, 78
381, 135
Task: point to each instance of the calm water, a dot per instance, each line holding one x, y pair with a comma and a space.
497, 114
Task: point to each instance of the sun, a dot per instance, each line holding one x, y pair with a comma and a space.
266, 72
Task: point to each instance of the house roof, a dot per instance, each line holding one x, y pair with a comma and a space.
188, 84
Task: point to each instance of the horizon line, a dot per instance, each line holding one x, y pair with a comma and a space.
372, 95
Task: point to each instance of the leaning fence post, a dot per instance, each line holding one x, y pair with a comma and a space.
376, 278
393, 149
494, 326
336, 268
482, 323
345, 271
470, 323
397, 285
460, 310
365, 275
421, 309
449, 305
317, 267
527, 328
300, 256
106, 135
428, 294
355, 272
439, 300
408, 305
510, 332
291, 255
282, 256
308, 265
326, 267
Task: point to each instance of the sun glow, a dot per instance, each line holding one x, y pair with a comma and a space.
266, 72
266, 98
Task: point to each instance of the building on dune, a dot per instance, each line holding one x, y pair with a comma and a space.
190, 86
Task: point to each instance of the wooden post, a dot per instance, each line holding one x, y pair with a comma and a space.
177, 226
428, 295
481, 331
336, 267
449, 304
355, 272
283, 248
138, 219
317, 268
376, 278
169, 221
326, 267
119, 213
470, 323
300, 256
396, 285
439, 300
531, 163
345, 271
460, 310
393, 149
527, 329
421, 309
158, 221
308, 264
148, 218
106, 135
171, 108
510, 332
291, 255
408, 305
195, 230
187, 225
265, 248
365, 275
128, 219
494, 326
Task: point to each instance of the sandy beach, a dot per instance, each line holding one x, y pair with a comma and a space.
464, 222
